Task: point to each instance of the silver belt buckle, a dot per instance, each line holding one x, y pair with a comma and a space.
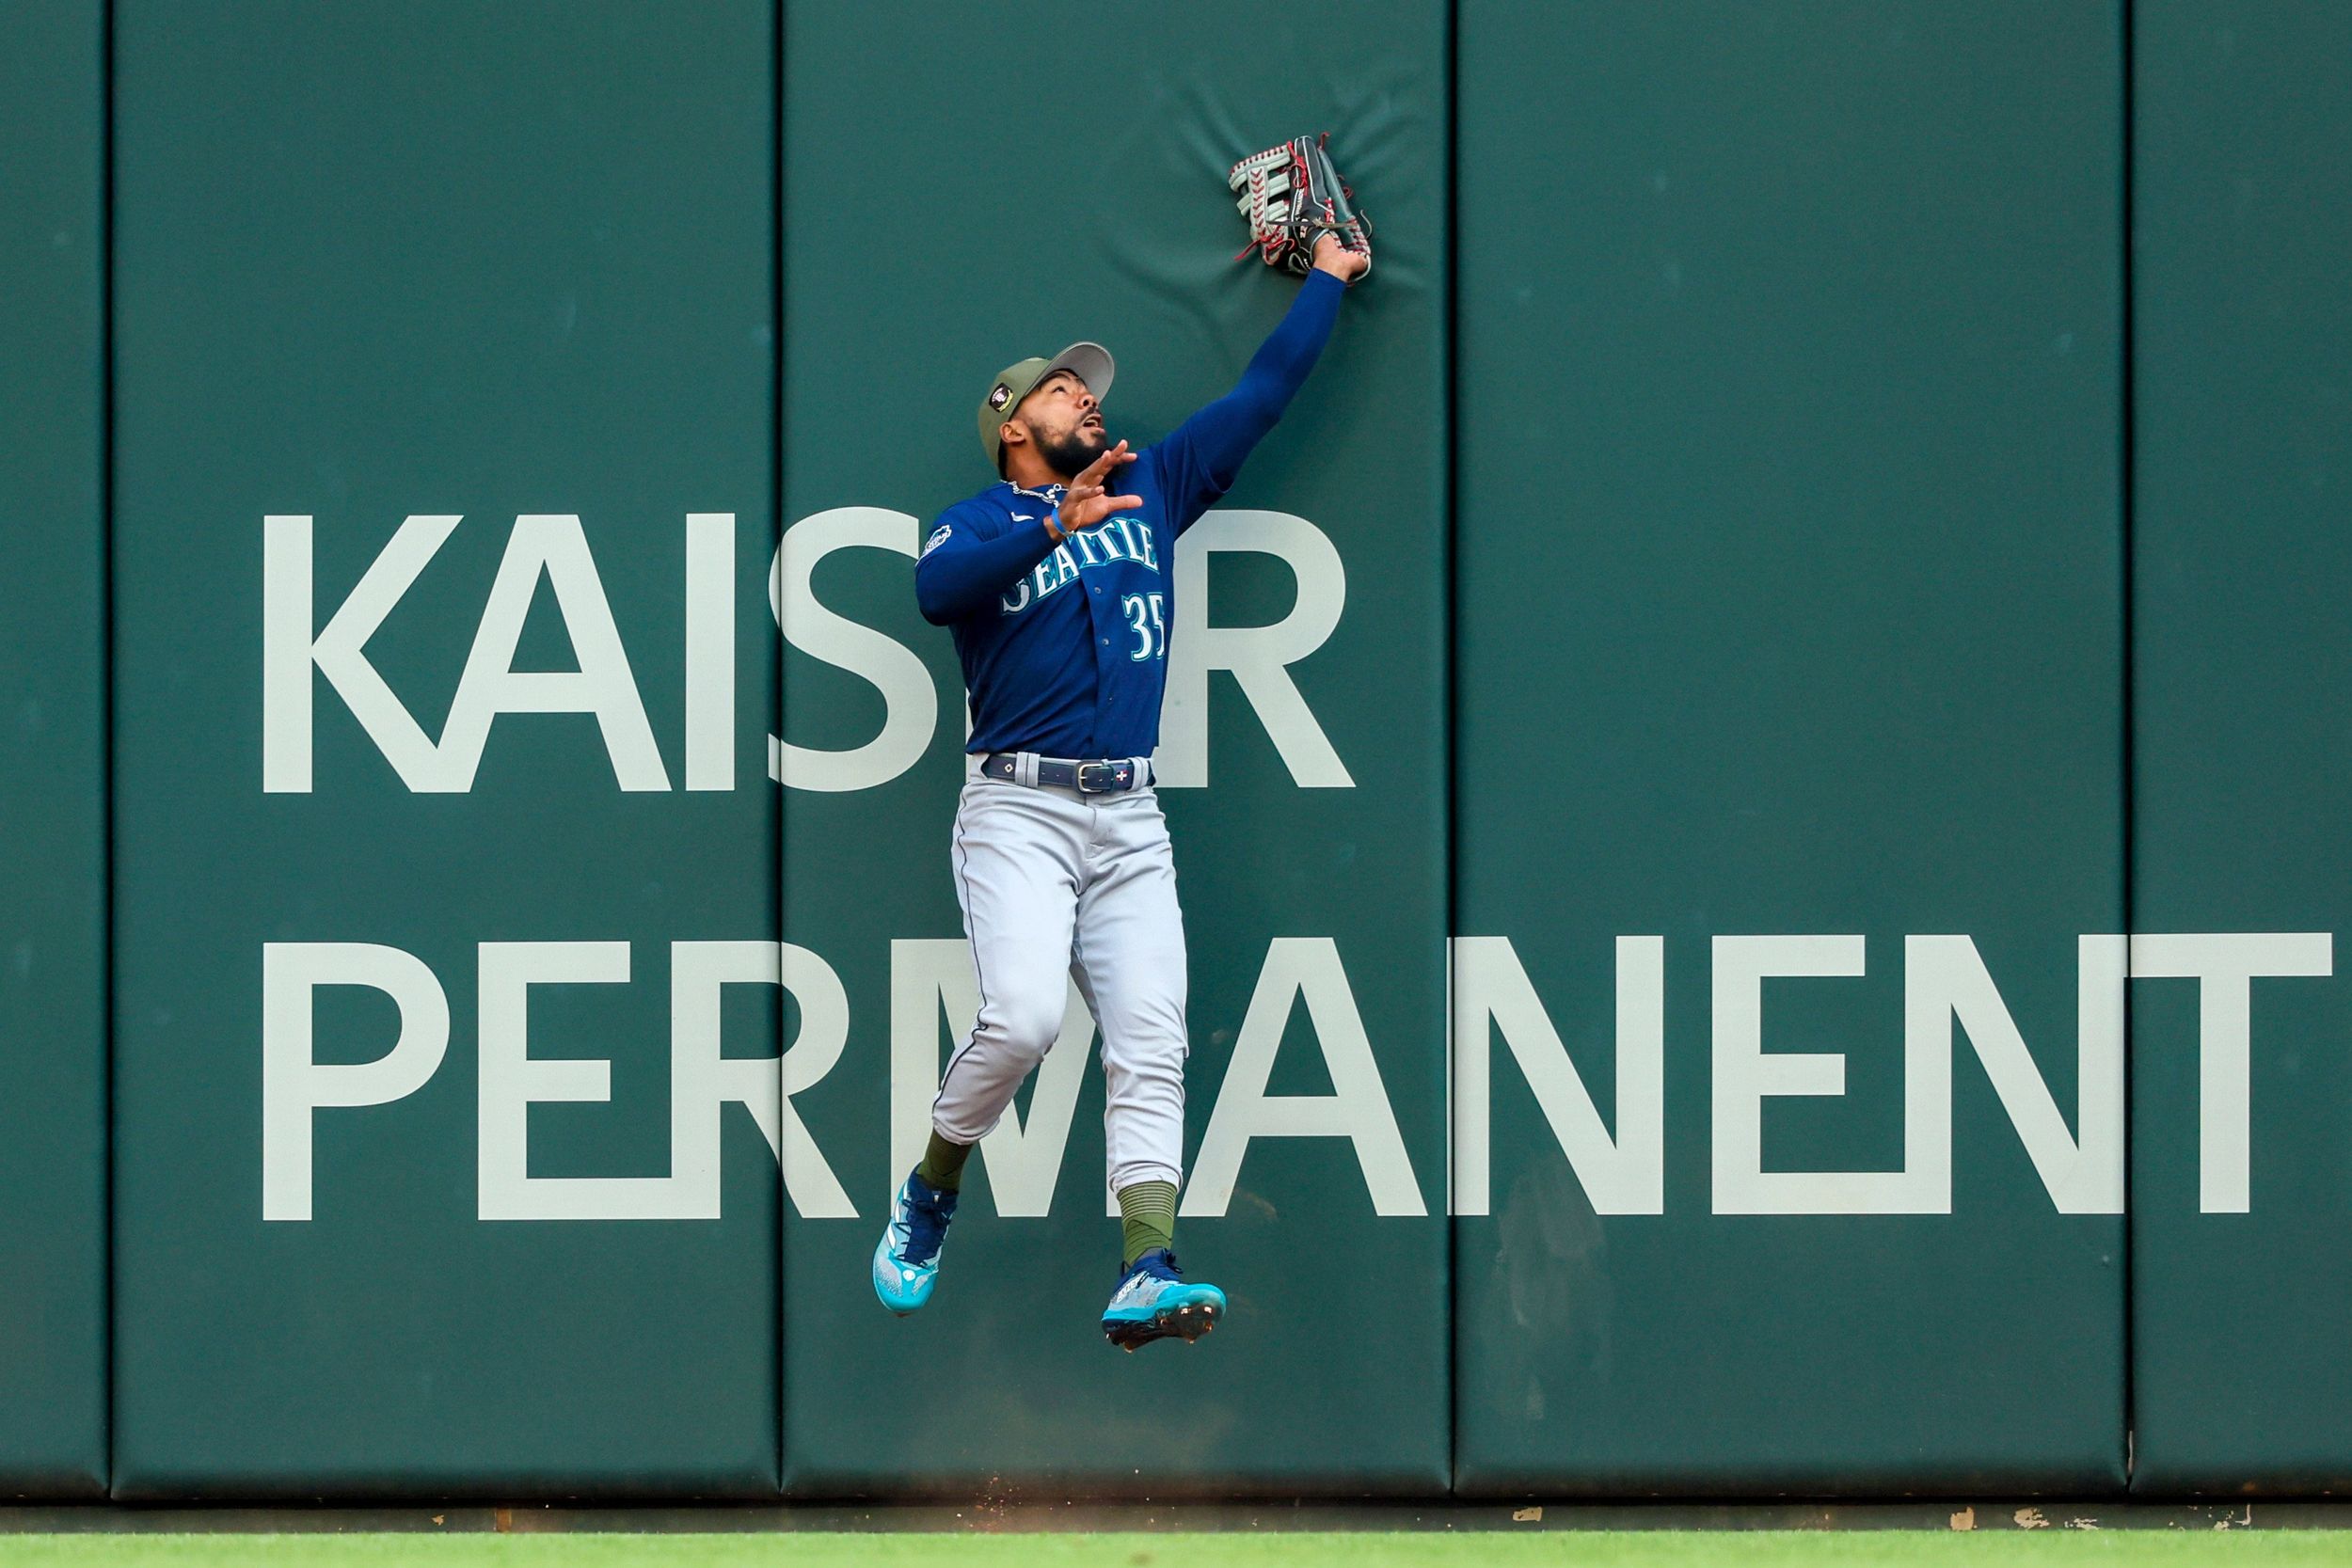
1112, 776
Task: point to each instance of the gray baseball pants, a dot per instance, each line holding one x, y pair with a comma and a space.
1055, 884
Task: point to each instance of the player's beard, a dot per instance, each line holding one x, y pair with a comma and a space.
1073, 450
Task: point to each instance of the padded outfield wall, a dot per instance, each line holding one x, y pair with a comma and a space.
1756, 766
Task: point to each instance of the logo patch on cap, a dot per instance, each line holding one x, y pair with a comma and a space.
1001, 396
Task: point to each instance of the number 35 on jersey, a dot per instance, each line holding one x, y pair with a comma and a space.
1146, 617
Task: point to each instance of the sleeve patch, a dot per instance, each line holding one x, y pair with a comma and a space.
939, 537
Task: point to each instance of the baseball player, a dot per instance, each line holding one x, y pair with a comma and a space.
1058, 585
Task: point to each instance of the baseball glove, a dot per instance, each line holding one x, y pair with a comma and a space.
1291, 196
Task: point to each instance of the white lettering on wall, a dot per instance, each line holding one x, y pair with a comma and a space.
338, 652
711, 650
512, 1080
1259, 657
1357, 1108
1745, 1074
1946, 983
602, 685
552, 546
1625, 1175
2225, 965
293, 1085
1946, 987
910, 704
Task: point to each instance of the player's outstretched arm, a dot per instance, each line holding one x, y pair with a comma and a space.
1205, 453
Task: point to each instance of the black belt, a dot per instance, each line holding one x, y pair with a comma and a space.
1106, 777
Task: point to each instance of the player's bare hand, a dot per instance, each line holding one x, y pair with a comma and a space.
1332, 256
1087, 501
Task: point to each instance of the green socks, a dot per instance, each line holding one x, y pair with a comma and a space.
943, 1165
1147, 1219
1147, 1211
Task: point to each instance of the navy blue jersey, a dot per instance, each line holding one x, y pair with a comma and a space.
1065, 646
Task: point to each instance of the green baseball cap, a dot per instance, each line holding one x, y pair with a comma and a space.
1090, 362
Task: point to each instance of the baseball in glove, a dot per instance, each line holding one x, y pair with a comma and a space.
1291, 196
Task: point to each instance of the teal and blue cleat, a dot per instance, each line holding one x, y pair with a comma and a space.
906, 1260
1155, 1302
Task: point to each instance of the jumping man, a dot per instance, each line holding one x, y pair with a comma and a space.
1056, 584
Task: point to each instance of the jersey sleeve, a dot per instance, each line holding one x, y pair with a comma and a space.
1201, 457
971, 556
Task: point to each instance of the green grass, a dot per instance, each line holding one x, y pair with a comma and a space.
1606, 1549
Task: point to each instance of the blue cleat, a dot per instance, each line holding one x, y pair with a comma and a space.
906, 1260
1153, 1301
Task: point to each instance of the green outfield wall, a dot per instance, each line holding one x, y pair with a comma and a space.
1755, 766
444, 362
1788, 722
53, 751
2242, 673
